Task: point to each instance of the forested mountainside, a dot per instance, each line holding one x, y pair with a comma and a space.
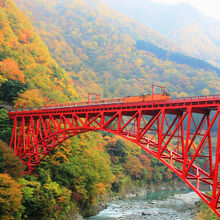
196, 34
79, 173
176, 57
94, 49
97, 47
28, 74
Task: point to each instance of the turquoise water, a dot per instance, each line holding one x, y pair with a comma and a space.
159, 205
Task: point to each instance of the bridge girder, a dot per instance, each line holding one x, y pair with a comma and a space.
179, 136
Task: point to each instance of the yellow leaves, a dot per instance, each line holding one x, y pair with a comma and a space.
107, 138
71, 91
30, 66
84, 57
1, 37
9, 69
10, 197
81, 190
205, 212
58, 158
205, 92
31, 98
138, 62
80, 2
182, 94
62, 153
2, 79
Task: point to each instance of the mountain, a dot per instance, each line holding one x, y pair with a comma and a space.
98, 50
28, 74
97, 47
196, 34
79, 172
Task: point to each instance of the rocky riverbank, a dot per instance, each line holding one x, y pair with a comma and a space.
154, 206
132, 193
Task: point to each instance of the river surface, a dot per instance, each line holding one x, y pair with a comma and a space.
162, 205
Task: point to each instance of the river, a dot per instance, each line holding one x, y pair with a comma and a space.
161, 205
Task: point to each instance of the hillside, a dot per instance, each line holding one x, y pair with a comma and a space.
97, 47
84, 170
177, 57
196, 34
26, 68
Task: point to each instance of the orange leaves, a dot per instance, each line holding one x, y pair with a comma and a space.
9, 69
100, 147
101, 188
25, 36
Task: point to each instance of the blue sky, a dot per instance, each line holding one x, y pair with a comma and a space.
207, 7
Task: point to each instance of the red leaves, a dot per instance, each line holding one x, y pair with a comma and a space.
133, 166
147, 164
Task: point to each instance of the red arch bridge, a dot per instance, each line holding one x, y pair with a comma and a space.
184, 134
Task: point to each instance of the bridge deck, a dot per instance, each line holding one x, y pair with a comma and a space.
208, 102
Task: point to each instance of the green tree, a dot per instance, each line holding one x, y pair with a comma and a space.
10, 89
9, 163
45, 200
5, 126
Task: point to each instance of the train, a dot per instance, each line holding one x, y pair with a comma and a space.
128, 99
147, 98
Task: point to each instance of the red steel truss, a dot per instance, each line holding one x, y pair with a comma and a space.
184, 134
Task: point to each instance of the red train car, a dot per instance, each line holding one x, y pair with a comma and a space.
129, 99
147, 98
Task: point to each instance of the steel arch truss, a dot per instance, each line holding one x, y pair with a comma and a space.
179, 137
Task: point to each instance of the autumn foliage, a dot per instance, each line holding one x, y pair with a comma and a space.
97, 47
9, 163
10, 197
31, 98
25, 59
134, 167
9, 69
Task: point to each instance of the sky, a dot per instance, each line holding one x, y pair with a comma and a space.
207, 7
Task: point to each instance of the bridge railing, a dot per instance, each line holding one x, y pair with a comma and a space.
119, 100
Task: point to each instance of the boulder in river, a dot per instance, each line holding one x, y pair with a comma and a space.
145, 213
